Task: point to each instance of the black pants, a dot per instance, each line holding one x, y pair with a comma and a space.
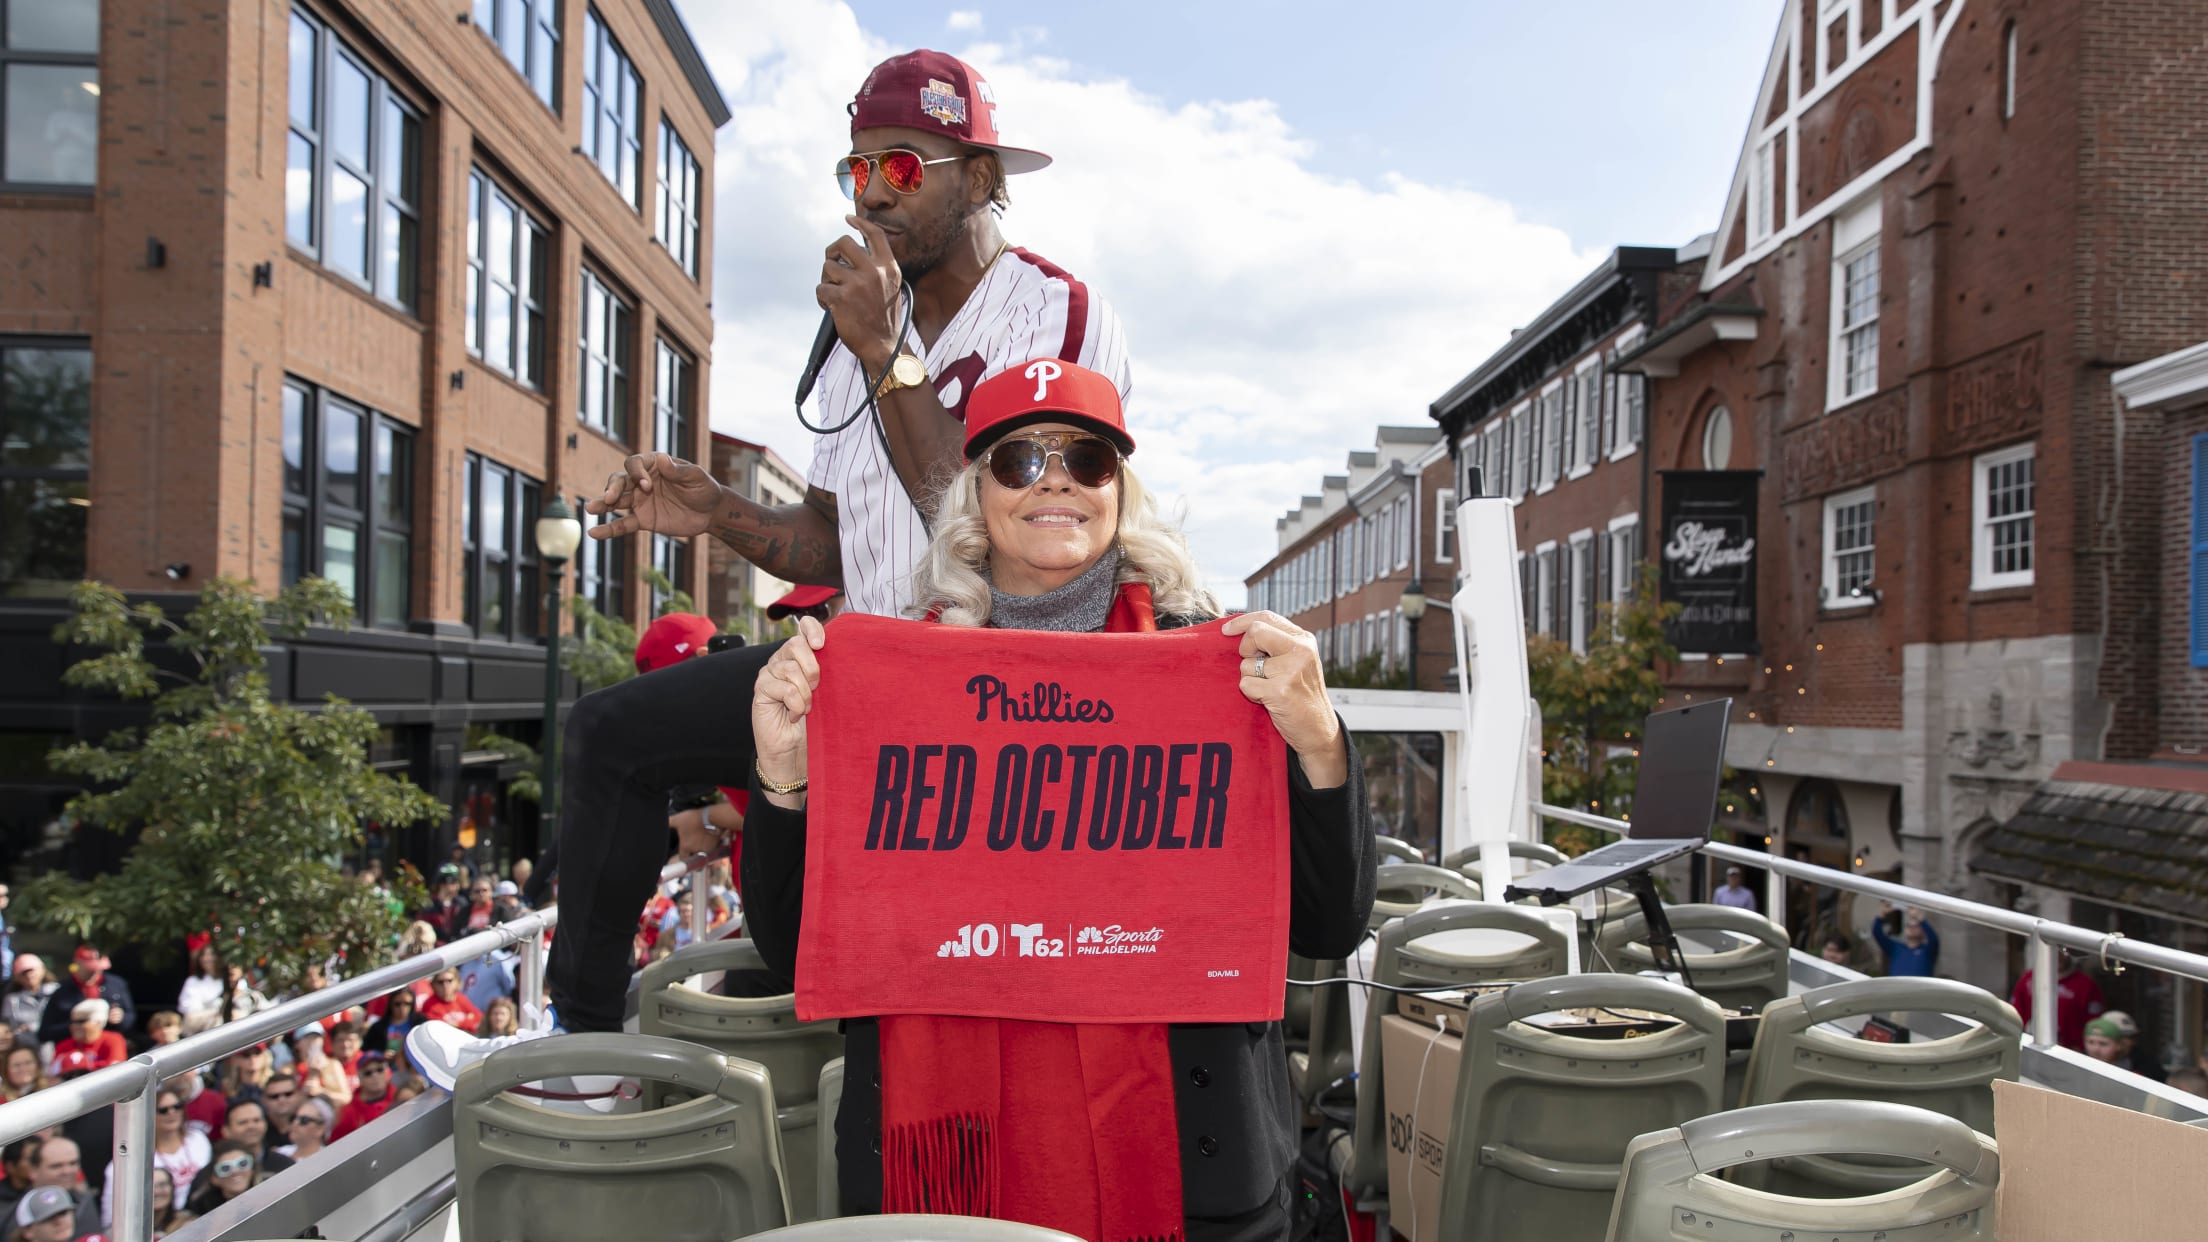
626, 746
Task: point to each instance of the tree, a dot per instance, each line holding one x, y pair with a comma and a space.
1594, 703
243, 806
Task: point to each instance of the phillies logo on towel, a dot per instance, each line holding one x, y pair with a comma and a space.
1050, 827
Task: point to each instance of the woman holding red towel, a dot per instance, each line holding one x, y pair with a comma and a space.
1113, 1132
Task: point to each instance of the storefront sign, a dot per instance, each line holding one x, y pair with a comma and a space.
1709, 559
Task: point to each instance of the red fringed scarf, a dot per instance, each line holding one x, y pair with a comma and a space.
1082, 1137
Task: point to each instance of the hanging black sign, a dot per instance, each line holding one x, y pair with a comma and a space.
1709, 559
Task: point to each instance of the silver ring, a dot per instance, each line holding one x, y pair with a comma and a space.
1259, 671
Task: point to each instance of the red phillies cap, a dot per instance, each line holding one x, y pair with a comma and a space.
1046, 390
672, 639
800, 599
938, 92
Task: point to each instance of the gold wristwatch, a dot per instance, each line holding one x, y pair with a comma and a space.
905, 371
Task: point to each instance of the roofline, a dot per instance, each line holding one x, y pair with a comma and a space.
1591, 286
677, 33
1714, 314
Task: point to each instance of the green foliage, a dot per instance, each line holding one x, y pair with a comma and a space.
528, 783
602, 650
243, 806
1593, 702
1367, 674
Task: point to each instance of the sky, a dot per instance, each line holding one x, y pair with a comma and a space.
1308, 226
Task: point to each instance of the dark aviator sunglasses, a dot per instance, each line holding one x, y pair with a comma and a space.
1017, 462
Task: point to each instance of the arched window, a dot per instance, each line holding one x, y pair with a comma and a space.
1717, 439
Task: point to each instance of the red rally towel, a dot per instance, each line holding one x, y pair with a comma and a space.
1050, 845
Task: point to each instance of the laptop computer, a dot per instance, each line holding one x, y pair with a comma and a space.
1674, 800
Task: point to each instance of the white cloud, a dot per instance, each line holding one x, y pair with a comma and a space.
963, 19
1276, 315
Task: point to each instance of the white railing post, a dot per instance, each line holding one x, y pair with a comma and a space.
701, 904
1774, 898
529, 980
132, 1205
2044, 1027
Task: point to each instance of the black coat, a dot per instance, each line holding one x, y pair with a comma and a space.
53, 1023
1235, 1111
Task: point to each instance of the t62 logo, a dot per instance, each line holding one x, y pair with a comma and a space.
985, 940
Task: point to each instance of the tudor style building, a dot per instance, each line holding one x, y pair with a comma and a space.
341, 287
1952, 222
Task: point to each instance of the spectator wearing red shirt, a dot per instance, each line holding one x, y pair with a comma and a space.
345, 1050
2077, 1001
204, 1108
447, 1004
373, 1100
89, 1045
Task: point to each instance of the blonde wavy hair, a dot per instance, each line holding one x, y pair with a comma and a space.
953, 578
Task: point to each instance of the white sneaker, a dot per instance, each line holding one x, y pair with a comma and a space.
441, 1050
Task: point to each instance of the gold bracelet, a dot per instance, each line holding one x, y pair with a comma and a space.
796, 786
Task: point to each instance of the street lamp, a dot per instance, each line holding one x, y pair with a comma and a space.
558, 533
1414, 607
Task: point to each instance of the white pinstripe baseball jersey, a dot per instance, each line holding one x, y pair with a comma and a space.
1025, 307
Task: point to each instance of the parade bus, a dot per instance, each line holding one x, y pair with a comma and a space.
1582, 1098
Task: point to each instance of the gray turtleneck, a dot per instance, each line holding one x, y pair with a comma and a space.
1079, 607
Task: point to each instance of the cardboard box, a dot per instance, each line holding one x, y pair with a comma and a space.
1419, 1064
1449, 1007
2074, 1169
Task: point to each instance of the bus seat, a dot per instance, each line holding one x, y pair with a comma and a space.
914, 1229
1295, 1013
826, 1191
1537, 855
1400, 888
1795, 1060
1543, 1118
1747, 976
764, 1030
1325, 1057
1407, 953
1396, 849
1669, 1189
710, 1167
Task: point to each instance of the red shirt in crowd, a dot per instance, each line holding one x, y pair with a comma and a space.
359, 1112
207, 1111
72, 1057
464, 1013
2077, 1002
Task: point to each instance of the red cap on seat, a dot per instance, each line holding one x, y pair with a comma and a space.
1046, 390
938, 92
801, 599
672, 639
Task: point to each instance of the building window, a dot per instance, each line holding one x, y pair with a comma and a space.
2197, 549
1624, 559
352, 180
45, 464
605, 354
671, 557
2008, 70
1627, 403
1402, 532
1550, 436
1837, 18
349, 502
1763, 192
2001, 500
674, 398
678, 199
509, 257
1445, 525
1582, 590
50, 92
1590, 415
499, 572
1855, 283
602, 574
613, 128
1717, 439
1850, 541
527, 33
1544, 589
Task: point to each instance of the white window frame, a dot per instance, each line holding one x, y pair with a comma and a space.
1624, 534
1628, 419
1544, 588
1580, 589
1521, 451
1832, 597
1763, 195
1588, 380
1709, 425
1445, 524
1402, 532
1856, 234
1548, 418
1982, 574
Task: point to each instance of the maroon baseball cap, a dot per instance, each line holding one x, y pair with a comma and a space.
672, 639
938, 92
1045, 390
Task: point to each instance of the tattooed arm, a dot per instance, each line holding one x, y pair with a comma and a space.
656, 492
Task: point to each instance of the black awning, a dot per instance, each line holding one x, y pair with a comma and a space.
2145, 849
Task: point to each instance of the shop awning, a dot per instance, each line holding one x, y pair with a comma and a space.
2129, 835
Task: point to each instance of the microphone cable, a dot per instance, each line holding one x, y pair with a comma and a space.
867, 404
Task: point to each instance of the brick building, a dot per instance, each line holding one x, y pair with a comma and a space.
1549, 422
1951, 223
342, 287
737, 592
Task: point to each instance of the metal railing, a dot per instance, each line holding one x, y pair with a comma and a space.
131, 1087
2045, 935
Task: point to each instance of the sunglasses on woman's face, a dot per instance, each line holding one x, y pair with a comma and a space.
305, 1119
1018, 461
166, 1109
231, 1166
902, 168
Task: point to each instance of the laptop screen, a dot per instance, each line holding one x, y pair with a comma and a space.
1682, 752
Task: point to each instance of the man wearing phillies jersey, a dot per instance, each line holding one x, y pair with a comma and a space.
926, 177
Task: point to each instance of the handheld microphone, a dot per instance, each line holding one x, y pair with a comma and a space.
824, 344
